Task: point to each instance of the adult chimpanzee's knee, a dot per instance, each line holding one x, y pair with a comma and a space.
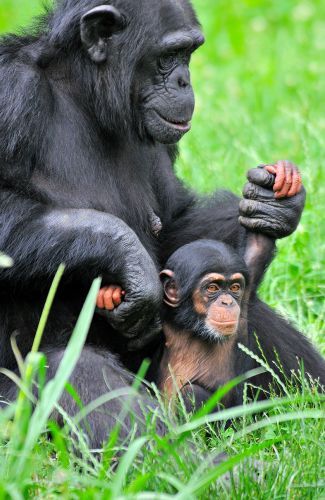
99, 374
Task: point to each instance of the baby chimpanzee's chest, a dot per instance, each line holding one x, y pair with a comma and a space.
187, 359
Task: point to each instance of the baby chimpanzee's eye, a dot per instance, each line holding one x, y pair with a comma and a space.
213, 287
235, 287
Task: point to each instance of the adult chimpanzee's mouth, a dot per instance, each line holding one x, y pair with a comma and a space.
181, 125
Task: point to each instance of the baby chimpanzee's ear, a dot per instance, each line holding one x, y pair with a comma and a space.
171, 291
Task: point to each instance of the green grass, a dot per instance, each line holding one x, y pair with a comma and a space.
259, 83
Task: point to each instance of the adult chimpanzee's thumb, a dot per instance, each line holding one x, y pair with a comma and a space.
261, 177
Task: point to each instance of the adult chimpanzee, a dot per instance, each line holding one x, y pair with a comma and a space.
92, 103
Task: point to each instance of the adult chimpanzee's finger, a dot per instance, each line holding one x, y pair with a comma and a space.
296, 184
150, 333
251, 208
254, 192
260, 209
261, 177
289, 168
129, 318
254, 224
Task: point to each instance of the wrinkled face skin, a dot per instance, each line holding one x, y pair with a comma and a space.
216, 302
150, 43
166, 96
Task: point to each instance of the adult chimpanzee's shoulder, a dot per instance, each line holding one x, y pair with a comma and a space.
23, 90
11, 45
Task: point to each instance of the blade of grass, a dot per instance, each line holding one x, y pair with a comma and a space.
240, 411
222, 391
109, 451
201, 481
55, 387
124, 466
47, 309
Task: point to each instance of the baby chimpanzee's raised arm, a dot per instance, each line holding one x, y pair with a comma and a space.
285, 180
207, 288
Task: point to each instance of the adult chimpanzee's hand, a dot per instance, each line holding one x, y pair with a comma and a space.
274, 199
100, 243
109, 299
135, 272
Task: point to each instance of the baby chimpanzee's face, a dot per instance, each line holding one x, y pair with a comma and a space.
216, 303
203, 289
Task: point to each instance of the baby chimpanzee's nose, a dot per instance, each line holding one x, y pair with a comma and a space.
226, 300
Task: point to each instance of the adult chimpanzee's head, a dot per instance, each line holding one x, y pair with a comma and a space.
136, 56
204, 284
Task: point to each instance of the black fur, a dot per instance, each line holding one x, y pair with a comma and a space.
83, 170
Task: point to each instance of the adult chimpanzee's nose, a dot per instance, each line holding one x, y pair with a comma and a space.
182, 83
183, 77
226, 300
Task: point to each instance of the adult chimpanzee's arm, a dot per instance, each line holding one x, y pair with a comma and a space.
90, 243
216, 217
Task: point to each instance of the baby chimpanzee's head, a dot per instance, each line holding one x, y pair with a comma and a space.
204, 284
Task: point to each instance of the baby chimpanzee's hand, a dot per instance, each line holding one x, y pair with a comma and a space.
288, 181
110, 297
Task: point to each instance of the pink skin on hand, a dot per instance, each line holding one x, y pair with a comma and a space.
288, 181
110, 297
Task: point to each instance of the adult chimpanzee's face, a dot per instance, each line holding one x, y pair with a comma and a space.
167, 95
146, 46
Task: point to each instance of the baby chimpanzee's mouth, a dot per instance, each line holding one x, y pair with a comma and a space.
224, 327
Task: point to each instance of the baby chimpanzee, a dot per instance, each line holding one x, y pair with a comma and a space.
207, 287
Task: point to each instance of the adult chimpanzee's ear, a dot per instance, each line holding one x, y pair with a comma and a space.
96, 27
171, 292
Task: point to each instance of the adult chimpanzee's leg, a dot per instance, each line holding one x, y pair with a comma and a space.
98, 373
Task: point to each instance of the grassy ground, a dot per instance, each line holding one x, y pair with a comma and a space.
259, 82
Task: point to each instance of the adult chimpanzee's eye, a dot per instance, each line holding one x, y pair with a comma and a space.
167, 62
213, 287
235, 287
